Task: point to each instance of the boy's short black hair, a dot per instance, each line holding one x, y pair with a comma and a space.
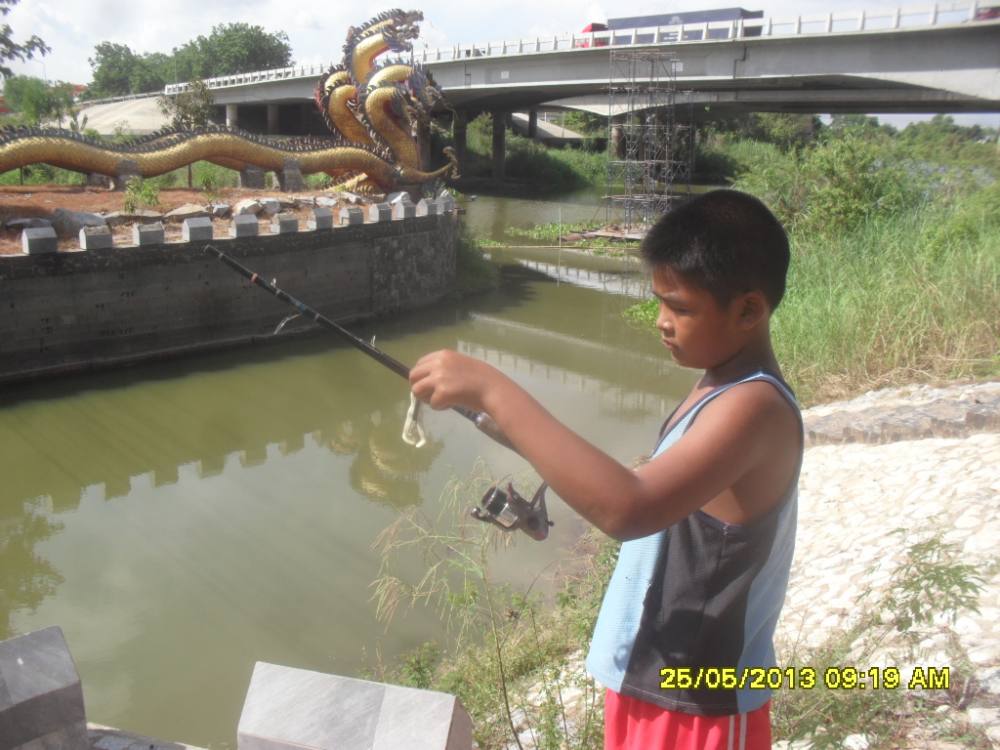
726, 242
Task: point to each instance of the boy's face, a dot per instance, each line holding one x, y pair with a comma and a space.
698, 331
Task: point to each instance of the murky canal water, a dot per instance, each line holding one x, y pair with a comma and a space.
181, 521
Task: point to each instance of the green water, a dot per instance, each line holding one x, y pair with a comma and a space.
183, 520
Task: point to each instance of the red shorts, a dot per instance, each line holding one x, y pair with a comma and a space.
632, 724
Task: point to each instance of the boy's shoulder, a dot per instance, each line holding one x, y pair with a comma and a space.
739, 455
761, 407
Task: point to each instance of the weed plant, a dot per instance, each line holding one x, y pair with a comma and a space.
508, 648
139, 192
928, 587
886, 284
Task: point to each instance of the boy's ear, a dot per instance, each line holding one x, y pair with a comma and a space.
752, 308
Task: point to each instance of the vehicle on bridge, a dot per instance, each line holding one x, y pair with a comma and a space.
686, 18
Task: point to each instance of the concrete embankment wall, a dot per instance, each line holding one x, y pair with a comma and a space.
71, 311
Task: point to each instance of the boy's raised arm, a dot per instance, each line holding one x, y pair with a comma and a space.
624, 504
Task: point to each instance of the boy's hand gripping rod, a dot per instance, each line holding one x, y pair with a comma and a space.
508, 510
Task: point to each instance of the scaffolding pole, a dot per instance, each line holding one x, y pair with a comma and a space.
650, 136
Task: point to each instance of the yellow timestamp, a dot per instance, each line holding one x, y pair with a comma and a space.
802, 678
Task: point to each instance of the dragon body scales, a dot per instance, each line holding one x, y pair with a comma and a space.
371, 111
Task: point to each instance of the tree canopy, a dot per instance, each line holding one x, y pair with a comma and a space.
11, 50
229, 49
36, 100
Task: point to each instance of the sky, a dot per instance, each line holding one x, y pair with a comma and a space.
316, 28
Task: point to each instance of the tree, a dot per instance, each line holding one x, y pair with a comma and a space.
11, 50
36, 100
189, 109
233, 48
230, 48
113, 66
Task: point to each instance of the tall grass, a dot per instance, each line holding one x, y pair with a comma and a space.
911, 296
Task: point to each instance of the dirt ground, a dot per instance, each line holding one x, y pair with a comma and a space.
27, 201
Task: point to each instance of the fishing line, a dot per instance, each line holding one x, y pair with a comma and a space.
503, 508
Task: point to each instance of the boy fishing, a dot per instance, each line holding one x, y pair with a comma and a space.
708, 522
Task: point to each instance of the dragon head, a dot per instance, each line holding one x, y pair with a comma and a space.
402, 29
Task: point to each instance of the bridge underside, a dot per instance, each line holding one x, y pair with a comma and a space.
806, 96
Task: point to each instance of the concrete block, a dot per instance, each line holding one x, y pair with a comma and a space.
295, 708
196, 230
284, 223
244, 225
322, 219
38, 240
98, 180
350, 215
447, 203
290, 178
252, 177
379, 212
41, 700
95, 238
148, 234
428, 208
403, 209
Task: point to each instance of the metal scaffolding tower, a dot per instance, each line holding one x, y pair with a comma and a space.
650, 136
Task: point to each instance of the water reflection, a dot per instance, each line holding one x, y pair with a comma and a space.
182, 520
26, 578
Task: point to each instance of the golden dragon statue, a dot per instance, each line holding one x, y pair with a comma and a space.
377, 116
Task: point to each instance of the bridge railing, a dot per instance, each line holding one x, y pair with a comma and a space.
313, 70
937, 14
879, 20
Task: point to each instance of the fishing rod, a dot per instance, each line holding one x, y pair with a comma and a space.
503, 508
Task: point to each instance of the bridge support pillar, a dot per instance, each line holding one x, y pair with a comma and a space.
272, 118
499, 144
617, 138
459, 129
532, 123
232, 116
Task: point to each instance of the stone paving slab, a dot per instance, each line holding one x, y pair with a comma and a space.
911, 413
109, 738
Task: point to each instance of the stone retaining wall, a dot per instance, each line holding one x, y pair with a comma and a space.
71, 311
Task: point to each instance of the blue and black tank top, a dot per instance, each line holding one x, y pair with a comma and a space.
702, 594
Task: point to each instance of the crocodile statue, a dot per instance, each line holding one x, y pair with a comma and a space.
374, 114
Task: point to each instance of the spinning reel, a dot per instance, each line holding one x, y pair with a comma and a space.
509, 511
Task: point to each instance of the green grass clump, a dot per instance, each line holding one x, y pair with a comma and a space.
895, 266
139, 192
43, 174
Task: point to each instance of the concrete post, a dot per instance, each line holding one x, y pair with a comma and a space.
295, 709
232, 116
252, 177
459, 129
41, 700
272, 119
617, 138
532, 123
499, 144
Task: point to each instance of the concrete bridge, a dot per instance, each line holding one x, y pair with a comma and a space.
925, 59
935, 58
